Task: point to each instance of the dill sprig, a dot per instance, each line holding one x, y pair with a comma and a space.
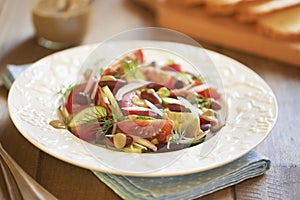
65, 91
105, 125
98, 118
177, 136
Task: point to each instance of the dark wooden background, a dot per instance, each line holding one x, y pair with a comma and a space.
18, 46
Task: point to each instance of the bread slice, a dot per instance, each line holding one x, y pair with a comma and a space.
254, 12
225, 7
283, 25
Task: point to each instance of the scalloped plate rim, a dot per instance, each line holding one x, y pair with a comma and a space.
84, 48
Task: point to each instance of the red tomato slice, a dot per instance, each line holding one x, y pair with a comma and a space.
139, 56
172, 67
210, 93
196, 82
73, 102
107, 71
206, 91
159, 128
69, 103
166, 130
115, 70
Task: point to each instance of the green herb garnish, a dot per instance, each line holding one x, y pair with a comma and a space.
104, 123
200, 102
65, 91
129, 64
199, 78
177, 136
144, 118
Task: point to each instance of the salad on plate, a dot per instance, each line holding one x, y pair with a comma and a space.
142, 107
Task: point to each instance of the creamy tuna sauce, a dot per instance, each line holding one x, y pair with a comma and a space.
57, 25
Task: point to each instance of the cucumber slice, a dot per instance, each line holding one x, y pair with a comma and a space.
199, 141
134, 149
87, 114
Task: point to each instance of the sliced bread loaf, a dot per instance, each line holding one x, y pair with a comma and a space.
225, 7
254, 12
283, 25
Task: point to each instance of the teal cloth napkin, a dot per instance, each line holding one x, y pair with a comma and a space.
176, 187
188, 186
11, 73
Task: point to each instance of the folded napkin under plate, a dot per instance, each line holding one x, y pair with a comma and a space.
174, 187
11, 73
188, 186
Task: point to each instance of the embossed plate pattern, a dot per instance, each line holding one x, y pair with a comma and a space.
252, 113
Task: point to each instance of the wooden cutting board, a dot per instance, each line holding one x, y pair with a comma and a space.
225, 31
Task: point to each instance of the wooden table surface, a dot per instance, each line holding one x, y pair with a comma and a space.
65, 181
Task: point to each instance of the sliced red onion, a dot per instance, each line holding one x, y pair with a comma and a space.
190, 106
199, 88
154, 108
129, 87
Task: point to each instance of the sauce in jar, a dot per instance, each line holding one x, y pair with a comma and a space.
57, 27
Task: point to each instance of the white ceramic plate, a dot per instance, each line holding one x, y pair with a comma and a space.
252, 113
